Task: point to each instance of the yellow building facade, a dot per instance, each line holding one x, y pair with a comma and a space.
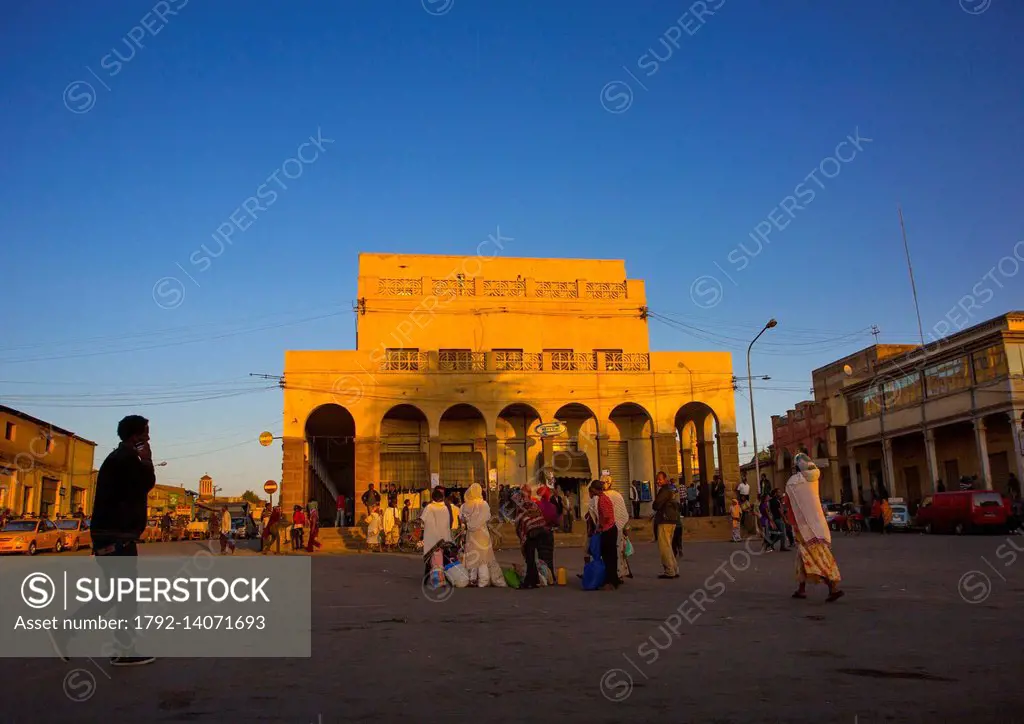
459, 359
44, 469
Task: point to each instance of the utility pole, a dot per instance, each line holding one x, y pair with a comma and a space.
929, 446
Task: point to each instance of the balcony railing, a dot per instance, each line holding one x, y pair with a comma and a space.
517, 361
401, 361
462, 361
400, 287
627, 361
515, 288
459, 361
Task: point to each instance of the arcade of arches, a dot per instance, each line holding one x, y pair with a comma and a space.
463, 445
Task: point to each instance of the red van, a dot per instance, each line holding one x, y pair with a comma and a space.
962, 511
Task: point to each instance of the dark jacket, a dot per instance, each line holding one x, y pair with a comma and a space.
122, 488
666, 505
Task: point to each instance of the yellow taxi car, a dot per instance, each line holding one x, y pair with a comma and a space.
30, 536
75, 532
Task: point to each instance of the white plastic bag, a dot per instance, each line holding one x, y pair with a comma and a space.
456, 575
483, 576
543, 574
497, 577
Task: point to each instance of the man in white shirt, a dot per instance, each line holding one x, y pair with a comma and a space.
438, 520
634, 498
743, 490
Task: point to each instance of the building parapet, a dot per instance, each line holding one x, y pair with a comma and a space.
461, 286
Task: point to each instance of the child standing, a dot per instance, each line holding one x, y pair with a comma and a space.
298, 527
373, 526
736, 514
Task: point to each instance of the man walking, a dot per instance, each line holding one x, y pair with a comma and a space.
634, 498
225, 532
118, 520
775, 507
666, 518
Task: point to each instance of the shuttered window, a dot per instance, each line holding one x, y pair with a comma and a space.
404, 469
617, 463
462, 469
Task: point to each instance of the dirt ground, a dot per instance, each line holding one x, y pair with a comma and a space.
929, 631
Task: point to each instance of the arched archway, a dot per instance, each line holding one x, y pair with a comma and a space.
331, 458
462, 435
574, 457
517, 445
404, 440
702, 462
630, 451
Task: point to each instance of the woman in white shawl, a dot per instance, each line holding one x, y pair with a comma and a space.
814, 562
621, 521
476, 514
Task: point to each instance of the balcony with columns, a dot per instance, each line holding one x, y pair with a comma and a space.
942, 413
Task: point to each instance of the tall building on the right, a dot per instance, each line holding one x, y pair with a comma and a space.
929, 416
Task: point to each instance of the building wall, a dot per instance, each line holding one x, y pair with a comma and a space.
472, 319
30, 468
958, 390
582, 305
165, 498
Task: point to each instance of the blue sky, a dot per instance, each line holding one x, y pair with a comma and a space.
448, 126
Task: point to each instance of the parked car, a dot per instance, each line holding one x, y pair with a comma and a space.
847, 518
239, 530
31, 536
962, 511
76, 533
900, 515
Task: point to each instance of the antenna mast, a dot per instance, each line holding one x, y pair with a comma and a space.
910, 268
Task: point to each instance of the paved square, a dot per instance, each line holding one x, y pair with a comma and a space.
903, 645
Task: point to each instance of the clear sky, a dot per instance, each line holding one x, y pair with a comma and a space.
447, 119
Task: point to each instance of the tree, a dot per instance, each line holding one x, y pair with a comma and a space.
250, 497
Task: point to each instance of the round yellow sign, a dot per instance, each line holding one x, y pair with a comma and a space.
266, 438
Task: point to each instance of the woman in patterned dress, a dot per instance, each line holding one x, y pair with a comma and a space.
815, 562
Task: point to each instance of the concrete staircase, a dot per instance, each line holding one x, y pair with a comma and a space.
353, 539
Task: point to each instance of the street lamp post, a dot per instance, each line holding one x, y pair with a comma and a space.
753, 421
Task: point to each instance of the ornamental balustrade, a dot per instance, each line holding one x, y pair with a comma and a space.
467, 287
514, 361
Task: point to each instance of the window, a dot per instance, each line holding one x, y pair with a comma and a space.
865, 404
902, 392
508, 359
402, 360
9, 432
561, 359
49, 443
947, 377
990, 363
612, 359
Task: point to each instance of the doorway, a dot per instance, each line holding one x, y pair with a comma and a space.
912, 478
952, 468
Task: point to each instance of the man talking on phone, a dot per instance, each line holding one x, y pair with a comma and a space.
119, 518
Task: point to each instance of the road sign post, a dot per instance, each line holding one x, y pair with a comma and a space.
270, 487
